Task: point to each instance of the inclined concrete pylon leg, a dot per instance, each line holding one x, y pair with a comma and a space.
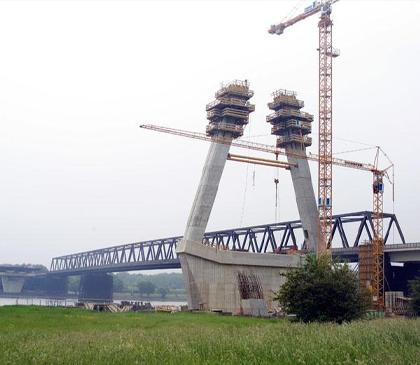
227, 116
206, 192
292, 127
197, 223
305, 198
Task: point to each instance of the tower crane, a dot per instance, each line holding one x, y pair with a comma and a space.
377, 280
326, 54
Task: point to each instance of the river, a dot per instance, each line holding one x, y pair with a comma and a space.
69, 302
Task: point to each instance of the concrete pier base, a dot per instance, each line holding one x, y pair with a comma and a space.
211, 275
12, 284
96, 287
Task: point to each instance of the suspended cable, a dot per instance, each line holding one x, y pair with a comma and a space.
245, 189
259, 135
350, 141
355, 150
276, 183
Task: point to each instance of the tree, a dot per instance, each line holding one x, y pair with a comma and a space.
118, 284
73, 284
163, 292
415, 294
322, 290
146, 287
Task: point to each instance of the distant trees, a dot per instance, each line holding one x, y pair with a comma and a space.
73, 284
146, 287
161, 285
163, 292
415, 295
118, 284
322, 290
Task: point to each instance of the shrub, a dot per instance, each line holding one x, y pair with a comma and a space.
322, 290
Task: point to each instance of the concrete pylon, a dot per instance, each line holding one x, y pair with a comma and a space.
292, 128
211, 274
227, 116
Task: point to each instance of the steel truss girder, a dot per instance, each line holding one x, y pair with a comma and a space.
268, 238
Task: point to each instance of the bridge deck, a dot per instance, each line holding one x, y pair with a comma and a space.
269, 238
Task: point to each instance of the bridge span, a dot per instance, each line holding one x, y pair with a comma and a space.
349, 230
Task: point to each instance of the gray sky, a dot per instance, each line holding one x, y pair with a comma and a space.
77, 78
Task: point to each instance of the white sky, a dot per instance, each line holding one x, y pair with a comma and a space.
77, 78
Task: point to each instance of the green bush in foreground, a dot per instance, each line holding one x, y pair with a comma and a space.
415, 295
322, 290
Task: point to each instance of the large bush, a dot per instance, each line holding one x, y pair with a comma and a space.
322, 290
415, 295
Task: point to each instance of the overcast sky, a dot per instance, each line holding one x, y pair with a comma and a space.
77, 78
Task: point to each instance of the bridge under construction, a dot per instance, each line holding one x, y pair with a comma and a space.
218, 266
213, 262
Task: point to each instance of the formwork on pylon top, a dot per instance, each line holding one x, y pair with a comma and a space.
290, 124
229, 113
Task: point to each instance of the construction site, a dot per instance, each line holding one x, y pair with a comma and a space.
211, 272
237, 270
185, 183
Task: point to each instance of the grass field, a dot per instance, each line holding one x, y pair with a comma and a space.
39, 335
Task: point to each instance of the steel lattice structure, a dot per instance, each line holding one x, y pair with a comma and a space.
378, 242
325, 131
269, 238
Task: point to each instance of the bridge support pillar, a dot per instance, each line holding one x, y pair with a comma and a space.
211, 275
398, 277
12, 284
96, 287
56, 286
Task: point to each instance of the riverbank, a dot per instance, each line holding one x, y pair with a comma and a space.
71, 302
39, 335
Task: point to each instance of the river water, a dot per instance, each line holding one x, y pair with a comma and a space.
70, 302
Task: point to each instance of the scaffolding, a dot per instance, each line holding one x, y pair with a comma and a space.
229, 113
289, 123
366, 266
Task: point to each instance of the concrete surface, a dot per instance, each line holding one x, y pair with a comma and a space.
211, 275
12, 284
254, 307
305, 197
206, 192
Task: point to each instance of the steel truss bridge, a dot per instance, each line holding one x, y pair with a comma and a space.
349, 230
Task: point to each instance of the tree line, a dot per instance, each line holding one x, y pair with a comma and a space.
157, 285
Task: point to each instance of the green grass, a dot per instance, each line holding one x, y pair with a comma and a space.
39, 335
